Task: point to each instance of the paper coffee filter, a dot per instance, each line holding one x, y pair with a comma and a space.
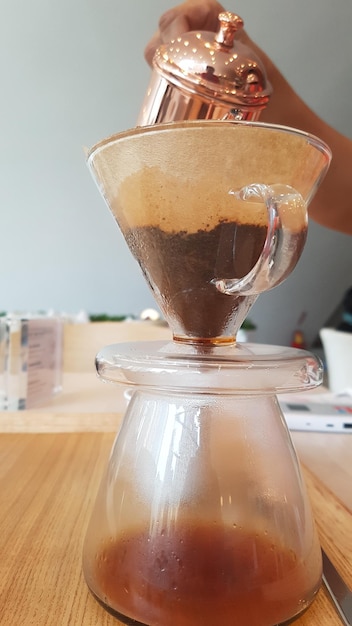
182, 176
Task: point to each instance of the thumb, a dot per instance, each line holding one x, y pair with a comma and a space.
172, 24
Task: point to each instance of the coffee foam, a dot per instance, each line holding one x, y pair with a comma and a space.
152, 198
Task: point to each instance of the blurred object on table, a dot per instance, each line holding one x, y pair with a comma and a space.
337, 346
340, 318
346, 321
30, 359
298, 339
83, 341
150, 314
105, 317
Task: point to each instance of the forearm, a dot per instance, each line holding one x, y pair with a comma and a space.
332, 205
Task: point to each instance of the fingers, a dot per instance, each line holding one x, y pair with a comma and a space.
151, 46
171, 25
190, 15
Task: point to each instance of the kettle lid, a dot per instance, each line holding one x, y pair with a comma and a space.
215, 66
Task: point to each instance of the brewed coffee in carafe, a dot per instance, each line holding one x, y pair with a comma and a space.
202, 515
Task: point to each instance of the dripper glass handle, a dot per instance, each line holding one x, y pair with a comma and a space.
286, 234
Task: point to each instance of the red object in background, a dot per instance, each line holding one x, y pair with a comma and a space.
298, 340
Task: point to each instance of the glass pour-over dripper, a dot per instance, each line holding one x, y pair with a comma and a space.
214, 213
202, 515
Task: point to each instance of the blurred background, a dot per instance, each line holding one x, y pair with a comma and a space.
73, 72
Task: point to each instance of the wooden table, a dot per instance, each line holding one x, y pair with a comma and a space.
51, 463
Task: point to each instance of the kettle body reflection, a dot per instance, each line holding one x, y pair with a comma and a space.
202, 516
205, 75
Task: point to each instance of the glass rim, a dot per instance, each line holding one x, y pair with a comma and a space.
168, 365
315, 141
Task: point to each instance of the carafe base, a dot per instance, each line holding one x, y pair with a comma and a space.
132, 622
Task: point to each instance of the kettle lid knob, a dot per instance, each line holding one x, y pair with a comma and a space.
217, 68
230, 23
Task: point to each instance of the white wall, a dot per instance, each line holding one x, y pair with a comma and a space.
73, 72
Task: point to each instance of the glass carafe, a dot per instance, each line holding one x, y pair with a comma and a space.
202, 516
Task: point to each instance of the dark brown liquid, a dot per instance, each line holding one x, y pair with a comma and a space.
180, 268
202, 576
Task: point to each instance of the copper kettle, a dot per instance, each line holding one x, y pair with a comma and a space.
205, 75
